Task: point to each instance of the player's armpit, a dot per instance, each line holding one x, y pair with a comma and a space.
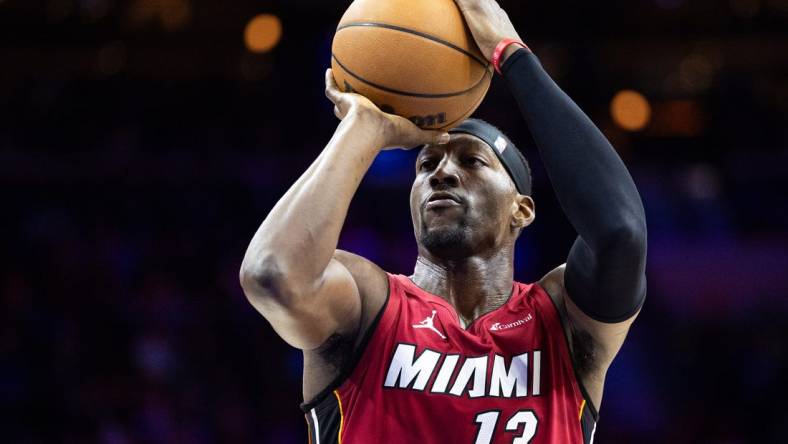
594, 344
311, 315
607, 336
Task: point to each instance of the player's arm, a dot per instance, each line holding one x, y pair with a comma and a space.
292, 273
605, 271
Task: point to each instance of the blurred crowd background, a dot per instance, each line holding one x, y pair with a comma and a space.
143, 141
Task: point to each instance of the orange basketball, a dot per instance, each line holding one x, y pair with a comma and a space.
414, 58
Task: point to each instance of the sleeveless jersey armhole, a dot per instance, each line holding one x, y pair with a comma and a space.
589, 414
306, 407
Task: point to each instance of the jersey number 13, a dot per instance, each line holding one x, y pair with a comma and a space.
488, 420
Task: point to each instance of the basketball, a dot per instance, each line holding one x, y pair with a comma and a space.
413, 58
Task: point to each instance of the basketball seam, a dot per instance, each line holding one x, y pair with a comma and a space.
418, 33
405, 93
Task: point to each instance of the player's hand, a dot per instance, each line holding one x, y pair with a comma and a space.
488, 23
397, 132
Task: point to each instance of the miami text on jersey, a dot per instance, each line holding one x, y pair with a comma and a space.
407, 371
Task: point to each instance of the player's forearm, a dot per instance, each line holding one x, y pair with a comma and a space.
590, 180
296, 241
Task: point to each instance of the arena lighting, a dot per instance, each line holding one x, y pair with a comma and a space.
630, 110
263, 33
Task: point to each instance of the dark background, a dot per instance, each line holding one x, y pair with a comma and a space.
141, 145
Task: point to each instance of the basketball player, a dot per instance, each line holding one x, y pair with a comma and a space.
457, 352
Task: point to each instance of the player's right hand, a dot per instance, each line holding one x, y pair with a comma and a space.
488, 23
397, 131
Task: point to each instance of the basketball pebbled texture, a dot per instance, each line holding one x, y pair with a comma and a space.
414, 58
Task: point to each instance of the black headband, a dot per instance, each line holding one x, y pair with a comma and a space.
503, 148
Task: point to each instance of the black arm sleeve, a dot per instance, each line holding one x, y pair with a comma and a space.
605, 271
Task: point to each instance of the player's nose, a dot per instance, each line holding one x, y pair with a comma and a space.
445, 174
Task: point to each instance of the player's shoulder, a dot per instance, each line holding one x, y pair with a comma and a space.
326, 365
553, 284
356, 263
363, 270
371, 281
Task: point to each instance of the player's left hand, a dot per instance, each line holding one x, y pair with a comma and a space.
488, 23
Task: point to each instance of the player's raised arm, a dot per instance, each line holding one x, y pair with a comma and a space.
290, 272
605, 271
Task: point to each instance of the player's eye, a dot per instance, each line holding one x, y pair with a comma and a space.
473, 161
426, 165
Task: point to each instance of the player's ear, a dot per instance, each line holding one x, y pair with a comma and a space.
523, 211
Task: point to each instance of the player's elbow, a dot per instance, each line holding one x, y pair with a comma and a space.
628, 238
264, 278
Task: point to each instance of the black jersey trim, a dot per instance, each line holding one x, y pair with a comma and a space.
357, 354
588, 424
589, 404
325, 421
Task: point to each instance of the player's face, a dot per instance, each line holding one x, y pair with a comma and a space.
462, 199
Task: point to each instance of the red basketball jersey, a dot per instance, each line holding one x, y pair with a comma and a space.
423, 378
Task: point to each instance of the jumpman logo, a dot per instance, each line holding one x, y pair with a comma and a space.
428, 323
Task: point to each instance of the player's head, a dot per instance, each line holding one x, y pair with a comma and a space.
471, 195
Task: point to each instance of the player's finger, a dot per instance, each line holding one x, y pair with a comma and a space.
421, 137
332, 92
438, 137
338, 113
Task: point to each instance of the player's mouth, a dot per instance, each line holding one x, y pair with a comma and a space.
442, 199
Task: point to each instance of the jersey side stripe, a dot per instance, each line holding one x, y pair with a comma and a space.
341, 418
582, 406
587, 422
317, 427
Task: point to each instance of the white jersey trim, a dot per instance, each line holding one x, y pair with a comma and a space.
317, 427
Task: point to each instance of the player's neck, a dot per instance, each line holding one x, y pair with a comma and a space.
474, 286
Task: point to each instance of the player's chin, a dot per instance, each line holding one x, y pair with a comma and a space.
448, 225
442, 222
446, 240
439, 226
